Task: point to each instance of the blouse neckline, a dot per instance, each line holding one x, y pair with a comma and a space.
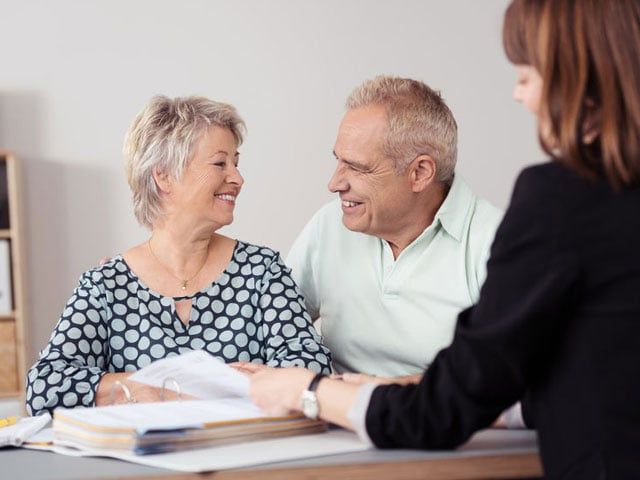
135, 277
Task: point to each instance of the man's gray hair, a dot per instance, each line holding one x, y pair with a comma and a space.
419, 122
164, 136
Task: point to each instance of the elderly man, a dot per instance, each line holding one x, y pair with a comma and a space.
389, 265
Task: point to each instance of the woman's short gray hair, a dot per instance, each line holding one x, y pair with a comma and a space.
164, 136
419, 122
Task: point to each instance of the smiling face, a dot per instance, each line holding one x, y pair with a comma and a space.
211, 182
373, 196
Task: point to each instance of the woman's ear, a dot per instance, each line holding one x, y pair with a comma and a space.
163, 180
592, 124
422, 173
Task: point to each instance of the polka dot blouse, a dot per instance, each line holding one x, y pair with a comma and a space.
253, 312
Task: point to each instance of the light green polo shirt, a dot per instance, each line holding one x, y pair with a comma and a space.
390, 317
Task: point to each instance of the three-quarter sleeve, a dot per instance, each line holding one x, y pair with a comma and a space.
289, 337
70, 367
501, 345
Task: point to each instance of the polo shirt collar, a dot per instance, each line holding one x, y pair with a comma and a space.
455, 211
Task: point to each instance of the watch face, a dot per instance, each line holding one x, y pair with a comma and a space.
309, 404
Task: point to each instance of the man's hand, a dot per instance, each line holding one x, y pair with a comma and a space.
362, 378
278, 390
104, 260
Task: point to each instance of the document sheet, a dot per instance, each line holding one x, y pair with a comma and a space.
197, 374
162, 415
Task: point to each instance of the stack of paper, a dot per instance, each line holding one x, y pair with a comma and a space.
224, 415
170, 426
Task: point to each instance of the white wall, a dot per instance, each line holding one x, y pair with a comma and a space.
74, 73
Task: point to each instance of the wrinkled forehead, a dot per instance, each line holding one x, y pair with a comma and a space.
361, 132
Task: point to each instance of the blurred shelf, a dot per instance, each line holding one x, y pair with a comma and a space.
12, 322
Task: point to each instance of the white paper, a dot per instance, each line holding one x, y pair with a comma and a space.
163, 415
43, 437
18, 433
233, 456
198, 374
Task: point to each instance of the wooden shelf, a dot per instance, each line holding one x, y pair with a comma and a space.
12, 323
9, 316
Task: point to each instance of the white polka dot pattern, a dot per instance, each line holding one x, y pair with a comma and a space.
114, 323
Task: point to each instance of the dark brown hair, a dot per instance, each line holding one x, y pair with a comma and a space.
588, 54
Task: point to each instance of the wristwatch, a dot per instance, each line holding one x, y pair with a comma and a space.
309, 400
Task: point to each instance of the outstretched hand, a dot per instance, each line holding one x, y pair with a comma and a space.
248, 368
104, 260
362, 378
277, 391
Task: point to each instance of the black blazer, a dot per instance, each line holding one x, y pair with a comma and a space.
558, 321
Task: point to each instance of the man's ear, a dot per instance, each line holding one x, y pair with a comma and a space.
163, 180
422, 173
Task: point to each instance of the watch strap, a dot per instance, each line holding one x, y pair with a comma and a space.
313, 386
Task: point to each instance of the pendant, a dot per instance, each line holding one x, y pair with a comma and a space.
184, 284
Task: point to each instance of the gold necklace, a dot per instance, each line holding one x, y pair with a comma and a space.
184, 282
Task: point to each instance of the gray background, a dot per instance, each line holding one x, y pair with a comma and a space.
74, 73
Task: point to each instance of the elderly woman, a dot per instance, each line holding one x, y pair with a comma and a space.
186, 287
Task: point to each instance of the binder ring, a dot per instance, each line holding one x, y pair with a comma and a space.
175, 384
127, 393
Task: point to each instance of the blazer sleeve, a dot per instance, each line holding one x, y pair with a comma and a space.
503, 343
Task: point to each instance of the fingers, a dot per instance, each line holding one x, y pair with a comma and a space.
362, 378
278, 412
238, 364
248, 368
359, 378
103, 260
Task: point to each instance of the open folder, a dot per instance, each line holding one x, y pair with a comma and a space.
223, 414
145, 428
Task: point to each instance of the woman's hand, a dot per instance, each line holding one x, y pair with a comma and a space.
248, 368
277, 391
139, 392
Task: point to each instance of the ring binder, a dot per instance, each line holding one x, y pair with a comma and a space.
130, 398
176, 385
158, 427
127, 393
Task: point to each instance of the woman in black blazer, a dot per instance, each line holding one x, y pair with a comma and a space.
558, 320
